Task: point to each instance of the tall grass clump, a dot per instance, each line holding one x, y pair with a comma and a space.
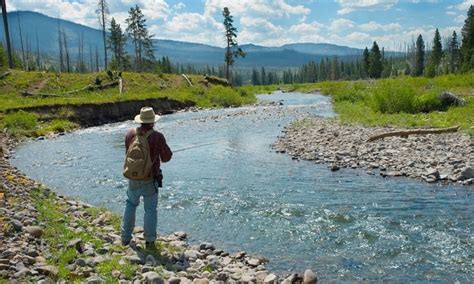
222, 96
394, 97
20, 123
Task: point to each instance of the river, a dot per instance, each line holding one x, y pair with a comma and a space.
237, 193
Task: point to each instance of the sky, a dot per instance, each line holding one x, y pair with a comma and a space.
355, 23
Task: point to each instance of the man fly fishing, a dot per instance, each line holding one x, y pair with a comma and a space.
145, 149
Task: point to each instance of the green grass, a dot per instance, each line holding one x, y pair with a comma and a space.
57, 235
402, 101
137, 86
106, 268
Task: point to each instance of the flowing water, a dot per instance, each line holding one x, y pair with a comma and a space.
236, 192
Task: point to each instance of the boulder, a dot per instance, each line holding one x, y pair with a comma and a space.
35, 231
152, 277
309, 277
448, 99
467, 173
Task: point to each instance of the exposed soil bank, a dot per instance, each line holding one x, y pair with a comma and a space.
94, 114
445, 157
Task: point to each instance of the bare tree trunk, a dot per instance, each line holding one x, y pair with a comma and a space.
28, 51
103, 9
68, 66
60, 42
90, 57
96, 59
21, 41
38, 59
7, 33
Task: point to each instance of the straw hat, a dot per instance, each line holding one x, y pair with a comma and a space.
147, 115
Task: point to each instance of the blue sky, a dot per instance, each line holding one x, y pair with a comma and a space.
356, 23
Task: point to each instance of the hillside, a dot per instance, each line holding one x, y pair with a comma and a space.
290, 55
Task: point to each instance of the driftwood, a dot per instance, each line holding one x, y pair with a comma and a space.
405, 133
5, 74
91, 87
187, 79
217, 81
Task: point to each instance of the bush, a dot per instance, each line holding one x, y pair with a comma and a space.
223, 96
429, 102
20, 122
56, 126
393, 97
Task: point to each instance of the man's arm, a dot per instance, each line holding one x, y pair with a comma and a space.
165, 151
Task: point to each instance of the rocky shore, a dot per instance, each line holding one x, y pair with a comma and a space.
47, 238
432, 158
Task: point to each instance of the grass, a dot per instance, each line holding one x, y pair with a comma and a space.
137, 86
57, 235
402, 101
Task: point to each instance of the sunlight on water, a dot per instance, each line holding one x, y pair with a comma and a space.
237, 193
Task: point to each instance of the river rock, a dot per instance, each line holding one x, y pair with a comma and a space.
152, 277
174, 280
17, 225
48, 270
271, 279
201, 281
35, 231
309, 277
253, 262
94, 280
206, 246
467, 173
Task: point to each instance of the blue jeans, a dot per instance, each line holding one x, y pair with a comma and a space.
136, 189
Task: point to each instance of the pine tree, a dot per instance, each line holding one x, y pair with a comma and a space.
136, 29
103, 11
365, 59
232, 50
255, 77
467, 47
375, 62
263, 76
454, 53
116, 43
436, 56
419, 57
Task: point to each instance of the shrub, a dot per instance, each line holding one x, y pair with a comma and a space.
429, 102
223, 96
393, 97
20, 122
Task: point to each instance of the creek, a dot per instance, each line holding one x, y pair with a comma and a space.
237, 193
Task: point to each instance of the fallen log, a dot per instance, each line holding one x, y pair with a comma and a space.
93, 88
405, 133
187, 79
27, 93
5, 74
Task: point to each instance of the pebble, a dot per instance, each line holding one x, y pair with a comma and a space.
433, 158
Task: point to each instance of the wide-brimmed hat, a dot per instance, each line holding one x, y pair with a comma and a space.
147, 115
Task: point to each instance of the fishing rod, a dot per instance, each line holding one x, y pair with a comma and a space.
196, 146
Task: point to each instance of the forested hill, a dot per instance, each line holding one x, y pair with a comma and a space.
290, 55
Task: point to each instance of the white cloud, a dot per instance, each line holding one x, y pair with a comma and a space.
464, 6
373, 26
179, 6
460, 19
349, 6
340, 25
358, 36
273, 9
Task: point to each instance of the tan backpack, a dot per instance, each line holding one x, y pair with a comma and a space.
138, 164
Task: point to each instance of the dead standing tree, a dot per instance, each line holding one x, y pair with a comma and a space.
7, 33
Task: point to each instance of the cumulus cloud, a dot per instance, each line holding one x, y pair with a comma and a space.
340, 25
373, 26
349, 6
273, 9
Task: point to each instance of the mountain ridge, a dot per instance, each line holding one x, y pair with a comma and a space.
285, 56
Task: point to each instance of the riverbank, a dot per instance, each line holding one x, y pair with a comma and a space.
432, 158
35, 103
44, 237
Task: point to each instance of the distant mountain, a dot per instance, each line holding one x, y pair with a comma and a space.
286, 56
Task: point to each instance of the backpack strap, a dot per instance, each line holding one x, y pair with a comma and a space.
149, 132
